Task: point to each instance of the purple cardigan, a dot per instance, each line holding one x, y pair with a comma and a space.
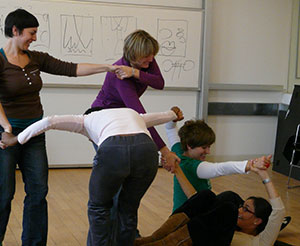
116, 93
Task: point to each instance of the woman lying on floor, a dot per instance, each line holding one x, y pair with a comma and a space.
224, 219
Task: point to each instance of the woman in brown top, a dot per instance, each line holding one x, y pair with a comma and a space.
20, 106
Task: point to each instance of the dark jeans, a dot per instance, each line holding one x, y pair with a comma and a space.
128, 163
32, 160
114, 223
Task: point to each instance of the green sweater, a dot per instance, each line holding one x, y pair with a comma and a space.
189, 167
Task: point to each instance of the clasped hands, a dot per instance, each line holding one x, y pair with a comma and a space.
261, 163
8, 139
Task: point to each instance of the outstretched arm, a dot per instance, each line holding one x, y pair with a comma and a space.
5, 124
269, 234
172, 133
153, 119
189, 190
3, 120
185, 184
84, 69
209, 170
263, 174
71, 123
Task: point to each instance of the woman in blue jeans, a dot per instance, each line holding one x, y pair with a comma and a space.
20, 106
126, 158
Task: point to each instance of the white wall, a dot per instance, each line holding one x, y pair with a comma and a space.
249, 46
243, 137
250, 41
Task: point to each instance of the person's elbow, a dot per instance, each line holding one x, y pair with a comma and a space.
160, 85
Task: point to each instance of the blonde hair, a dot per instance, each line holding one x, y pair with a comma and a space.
139, 44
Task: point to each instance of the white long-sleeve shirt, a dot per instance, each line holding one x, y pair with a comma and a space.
99, 125
207, 170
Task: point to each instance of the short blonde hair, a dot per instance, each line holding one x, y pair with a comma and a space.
139, 44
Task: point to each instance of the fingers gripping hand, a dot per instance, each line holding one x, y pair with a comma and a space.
112, 68
8, 139
178, 112
170, 161
2, 145
261, 163
124, 72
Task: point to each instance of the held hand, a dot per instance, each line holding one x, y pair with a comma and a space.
2, 145
8, 139
169, 161
178, 112
112, 68
261, 163
262, 171
124, 72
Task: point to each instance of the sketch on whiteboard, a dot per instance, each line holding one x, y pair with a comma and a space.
172, 37
176, 68
1, 24
77, 33
2, 19
114, 30
43, 34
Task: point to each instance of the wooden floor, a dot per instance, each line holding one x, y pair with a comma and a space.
68, 197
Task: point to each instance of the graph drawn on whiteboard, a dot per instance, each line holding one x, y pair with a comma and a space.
1, 24
77, 35
2, 18
172, 37
175, 68
43, 34
114, 30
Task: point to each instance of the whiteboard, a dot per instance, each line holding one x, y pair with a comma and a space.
94, 32
165, 3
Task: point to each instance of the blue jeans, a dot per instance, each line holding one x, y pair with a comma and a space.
114, 216
126, 162
32, 161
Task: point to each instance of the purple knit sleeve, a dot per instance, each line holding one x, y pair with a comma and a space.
152, 77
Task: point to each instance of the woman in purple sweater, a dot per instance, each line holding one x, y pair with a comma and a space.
138, 71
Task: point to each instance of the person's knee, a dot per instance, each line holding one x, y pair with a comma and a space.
229, 213
36, 190
198, 203
101, 208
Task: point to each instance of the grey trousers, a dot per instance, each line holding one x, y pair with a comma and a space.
126, 162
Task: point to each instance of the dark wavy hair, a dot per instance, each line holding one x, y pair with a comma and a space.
262, 210
20, 18
196, 133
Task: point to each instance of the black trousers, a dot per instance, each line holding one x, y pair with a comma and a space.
212, 218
